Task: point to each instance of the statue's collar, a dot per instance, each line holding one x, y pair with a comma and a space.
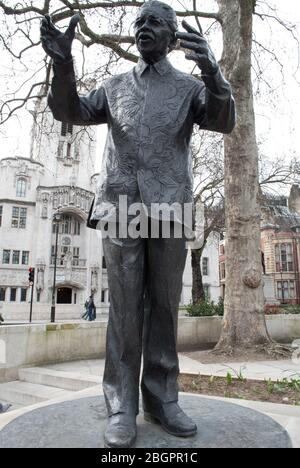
162, 67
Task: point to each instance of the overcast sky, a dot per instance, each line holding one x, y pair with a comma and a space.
277, 107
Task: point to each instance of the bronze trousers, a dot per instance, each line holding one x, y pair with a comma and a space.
145, 282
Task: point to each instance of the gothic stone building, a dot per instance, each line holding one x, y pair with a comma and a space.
58, 176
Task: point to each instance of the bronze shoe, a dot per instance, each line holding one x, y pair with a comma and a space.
172, 419
121, 431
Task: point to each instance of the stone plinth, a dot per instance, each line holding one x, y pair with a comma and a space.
81, 424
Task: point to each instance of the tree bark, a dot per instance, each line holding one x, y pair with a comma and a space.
198, 293
244, 323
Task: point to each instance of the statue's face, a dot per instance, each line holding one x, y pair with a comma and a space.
153, 34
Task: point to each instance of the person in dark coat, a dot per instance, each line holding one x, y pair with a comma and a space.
4, 407
90, 307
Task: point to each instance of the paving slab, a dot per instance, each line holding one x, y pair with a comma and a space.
274, 370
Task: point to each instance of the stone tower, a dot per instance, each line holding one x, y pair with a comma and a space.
294, 199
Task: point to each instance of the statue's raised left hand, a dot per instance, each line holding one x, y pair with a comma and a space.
201, 52
56, 44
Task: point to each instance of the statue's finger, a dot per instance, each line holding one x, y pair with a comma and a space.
70, 32
190, 37
192, 30
192, 56
193, 46
48, 21
44, 23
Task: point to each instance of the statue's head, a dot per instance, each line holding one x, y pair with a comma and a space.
155, 30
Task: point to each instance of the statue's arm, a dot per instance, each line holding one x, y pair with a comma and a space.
63, 98
213, 105
67, 106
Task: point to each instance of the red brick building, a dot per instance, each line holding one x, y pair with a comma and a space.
280, 245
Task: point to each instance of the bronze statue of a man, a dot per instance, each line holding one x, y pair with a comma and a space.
150, 112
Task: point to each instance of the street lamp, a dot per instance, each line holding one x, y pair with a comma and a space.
56, 220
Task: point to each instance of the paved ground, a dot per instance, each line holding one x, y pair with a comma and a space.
100, 318
275, 370
287, 416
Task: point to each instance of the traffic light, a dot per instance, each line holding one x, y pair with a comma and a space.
31, 275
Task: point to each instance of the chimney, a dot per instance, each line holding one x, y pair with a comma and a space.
294, 199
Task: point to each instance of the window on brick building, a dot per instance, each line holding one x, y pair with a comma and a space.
286, 290
284, 257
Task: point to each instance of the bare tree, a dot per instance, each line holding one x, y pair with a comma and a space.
275, 176
20, 22
208, 168
244, 324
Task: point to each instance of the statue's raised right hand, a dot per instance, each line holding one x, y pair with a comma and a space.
56, 44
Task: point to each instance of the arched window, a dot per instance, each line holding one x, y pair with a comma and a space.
21, 188
66, 129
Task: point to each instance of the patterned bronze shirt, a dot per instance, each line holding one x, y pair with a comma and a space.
150, 112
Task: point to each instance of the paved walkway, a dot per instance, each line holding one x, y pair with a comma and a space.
275, 370
287, 416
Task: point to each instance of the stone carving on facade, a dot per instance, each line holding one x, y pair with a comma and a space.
294, 199
22, 172
94, 277
11, 278
40, 275
79, 278
45, 199
68, 259
72, 196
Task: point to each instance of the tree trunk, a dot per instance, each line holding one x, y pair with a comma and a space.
244, 323
198, 289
